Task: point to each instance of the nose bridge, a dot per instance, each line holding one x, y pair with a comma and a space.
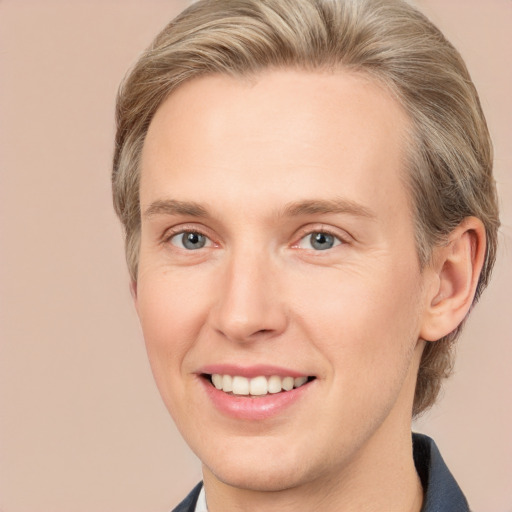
249, 306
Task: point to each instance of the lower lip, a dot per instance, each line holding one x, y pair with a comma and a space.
246, 407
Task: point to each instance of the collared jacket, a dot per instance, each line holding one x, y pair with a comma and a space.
441, 491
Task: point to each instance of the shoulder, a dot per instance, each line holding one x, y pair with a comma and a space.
189, 503
442, 493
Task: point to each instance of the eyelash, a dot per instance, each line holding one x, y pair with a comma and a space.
324, 231
306, 232
182, 230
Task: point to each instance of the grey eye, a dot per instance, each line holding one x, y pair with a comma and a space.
189, 240
319, 241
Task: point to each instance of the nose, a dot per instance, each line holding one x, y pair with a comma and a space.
250, 306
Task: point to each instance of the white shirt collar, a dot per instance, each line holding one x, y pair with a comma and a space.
201, 502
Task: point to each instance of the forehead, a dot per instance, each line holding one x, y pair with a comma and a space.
285, 132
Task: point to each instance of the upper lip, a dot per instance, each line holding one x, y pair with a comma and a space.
251, 371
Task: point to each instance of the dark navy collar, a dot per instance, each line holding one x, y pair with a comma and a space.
189, 503
442, 494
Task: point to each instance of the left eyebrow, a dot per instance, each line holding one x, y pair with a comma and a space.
322, 206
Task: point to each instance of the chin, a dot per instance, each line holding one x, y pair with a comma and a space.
269, 477
265, 466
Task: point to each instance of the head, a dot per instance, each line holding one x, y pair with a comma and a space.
449, 153
306, 190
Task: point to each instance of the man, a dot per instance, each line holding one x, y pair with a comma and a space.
306, 188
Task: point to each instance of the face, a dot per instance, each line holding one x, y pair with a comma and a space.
279, 289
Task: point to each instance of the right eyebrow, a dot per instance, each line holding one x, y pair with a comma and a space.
174, 207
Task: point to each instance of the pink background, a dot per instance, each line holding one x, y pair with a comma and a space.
82, 428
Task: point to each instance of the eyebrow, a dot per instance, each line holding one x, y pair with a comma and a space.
174, 207
294, 209
323, 206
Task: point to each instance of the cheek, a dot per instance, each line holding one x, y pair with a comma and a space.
363, 321
353, 298
171, 312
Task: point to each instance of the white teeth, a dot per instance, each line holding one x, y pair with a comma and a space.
227, 383
298, 381
274, 384
217, 381
287, 383
240, 385
257, 386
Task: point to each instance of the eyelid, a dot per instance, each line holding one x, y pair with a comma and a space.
174, 240
341, 235
171, 232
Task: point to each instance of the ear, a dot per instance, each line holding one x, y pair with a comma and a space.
456, 269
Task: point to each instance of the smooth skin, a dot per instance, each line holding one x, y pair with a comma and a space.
238, 178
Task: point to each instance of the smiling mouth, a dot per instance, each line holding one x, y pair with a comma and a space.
256, 386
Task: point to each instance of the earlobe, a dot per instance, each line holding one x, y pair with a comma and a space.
457, 266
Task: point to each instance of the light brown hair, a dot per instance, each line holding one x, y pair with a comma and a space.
450, 154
